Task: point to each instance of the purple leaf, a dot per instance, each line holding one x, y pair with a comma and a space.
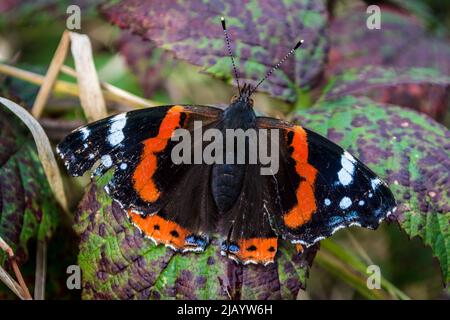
192, 30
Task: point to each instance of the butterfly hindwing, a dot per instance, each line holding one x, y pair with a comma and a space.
321, 188
138, 145
249, 235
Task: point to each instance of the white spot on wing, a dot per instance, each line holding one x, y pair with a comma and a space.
345, 203
85, 132
115, 138
361, 202
123, 166
345, 175
116, 135
106, 160
345, 178
327, 202
375, 183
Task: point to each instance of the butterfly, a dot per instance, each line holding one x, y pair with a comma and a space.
316, 189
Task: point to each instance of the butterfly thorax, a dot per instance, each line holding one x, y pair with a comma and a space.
226, 179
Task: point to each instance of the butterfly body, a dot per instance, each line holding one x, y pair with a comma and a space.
227, 178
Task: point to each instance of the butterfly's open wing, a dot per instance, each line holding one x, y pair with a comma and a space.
321, 188
138, 146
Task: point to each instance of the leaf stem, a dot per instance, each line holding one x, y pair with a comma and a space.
20, 289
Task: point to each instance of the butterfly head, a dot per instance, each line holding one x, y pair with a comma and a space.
244, 96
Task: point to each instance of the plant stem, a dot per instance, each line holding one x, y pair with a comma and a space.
348, 257
19, 277
354, 279
20, 289
41, 270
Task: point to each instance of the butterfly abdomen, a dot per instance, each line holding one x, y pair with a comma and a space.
227, 178
226, 184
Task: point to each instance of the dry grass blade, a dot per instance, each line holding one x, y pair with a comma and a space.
110, 92
116, 94
6, 248
19, 277
60, 86
51, 76
11, 284
41, 270
91, 96
44, 150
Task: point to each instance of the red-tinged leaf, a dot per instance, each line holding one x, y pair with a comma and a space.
145, 60
27, 208
422, 89
402, 42
118, 262
192, 30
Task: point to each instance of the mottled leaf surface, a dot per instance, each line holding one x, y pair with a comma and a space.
402, 41
422, 89
119, 263
146, 61
27, 207
408, 150
192, 30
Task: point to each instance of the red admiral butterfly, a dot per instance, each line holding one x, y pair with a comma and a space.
318, 188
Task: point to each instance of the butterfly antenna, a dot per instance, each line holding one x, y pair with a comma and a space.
275, 67
227, 39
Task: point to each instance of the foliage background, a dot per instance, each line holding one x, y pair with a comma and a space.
30, 32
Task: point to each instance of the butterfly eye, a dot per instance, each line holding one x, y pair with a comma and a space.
251, 102
234, 98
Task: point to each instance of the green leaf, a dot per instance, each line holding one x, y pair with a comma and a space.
118, 262
26, 13
192, 30
422, 89
27, 206
408, 150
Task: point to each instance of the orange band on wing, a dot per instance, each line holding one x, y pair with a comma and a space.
142, 176
306, 201
160, 229
259, 250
